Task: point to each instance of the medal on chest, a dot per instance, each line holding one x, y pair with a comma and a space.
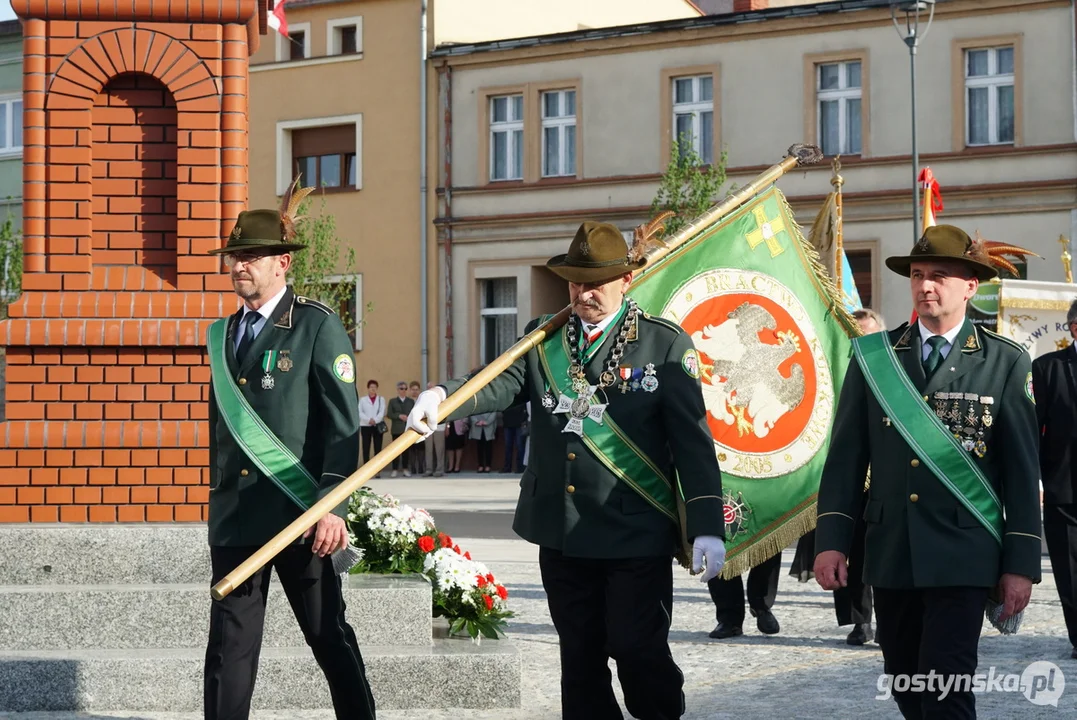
585, 405
268, 382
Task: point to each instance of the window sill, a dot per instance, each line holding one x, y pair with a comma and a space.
306, 62
988, 147
513, 182
336, 190
11, 154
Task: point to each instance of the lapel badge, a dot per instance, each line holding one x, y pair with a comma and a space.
903, 341
284, 362
970, 342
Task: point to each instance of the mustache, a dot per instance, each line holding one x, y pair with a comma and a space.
239, 276
587, 304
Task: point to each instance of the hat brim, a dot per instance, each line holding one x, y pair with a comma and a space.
574, 273
902, 264
261, 248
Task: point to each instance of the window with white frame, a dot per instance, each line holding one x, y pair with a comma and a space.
344, 36
838, 96
11, 124
326, 153
989, 95
558, 133
693, 115
296, 46
497, 330
507, 137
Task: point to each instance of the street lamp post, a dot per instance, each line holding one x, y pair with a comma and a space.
912, 37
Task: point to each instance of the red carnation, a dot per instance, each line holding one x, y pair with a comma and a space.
482, 581
502, 592
467, 555
426, 543
445, 540
489, 602
490, 577
456, 549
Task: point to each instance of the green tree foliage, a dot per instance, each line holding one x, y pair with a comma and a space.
689, 187
10, 263
325, 270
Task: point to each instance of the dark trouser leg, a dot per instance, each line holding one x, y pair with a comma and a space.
852, 603
314, 592
367, 434
510, 446
899, 616
639, 610
576, 593
235, 638
400, 462
763, 583
953, 618
728, 597
1060, 531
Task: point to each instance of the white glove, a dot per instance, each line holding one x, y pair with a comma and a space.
423, 418
714, 549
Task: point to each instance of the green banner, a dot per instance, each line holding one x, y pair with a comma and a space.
774, 346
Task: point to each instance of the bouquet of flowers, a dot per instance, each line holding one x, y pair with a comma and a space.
396, 538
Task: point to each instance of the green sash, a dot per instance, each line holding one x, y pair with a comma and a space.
257, 441
925, 433
606, 441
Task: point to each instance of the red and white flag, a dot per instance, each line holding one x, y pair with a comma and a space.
277, 20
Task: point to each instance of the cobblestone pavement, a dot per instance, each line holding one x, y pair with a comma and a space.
806, 671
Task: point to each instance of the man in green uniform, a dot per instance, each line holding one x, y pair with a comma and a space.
284, 431
943, 412
617, 419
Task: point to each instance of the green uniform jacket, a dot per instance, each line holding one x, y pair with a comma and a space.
918, 533
311, 408
569, 501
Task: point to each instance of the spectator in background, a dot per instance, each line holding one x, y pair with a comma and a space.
484, 430
435, 445
372, 419
455, 439
399, 407
515, 421
416, 453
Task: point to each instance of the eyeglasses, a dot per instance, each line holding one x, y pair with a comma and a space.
247, 258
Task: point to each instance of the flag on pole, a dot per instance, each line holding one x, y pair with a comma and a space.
277, 20
773, 344
823, 237
932, 198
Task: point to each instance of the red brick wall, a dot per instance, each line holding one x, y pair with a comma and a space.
135, 164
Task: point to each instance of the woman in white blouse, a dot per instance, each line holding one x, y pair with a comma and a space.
371, 419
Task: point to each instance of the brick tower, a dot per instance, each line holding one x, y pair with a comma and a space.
135, 164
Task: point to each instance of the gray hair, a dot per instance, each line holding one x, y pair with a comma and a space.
1071, 316
869, 313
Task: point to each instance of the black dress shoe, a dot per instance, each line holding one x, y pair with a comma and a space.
860, 634
766, 622
725, 630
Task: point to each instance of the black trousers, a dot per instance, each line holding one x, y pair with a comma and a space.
920, 630
370, 434
515, 444
728, 595
235, 633
620, 609
485, 452
852, 603
1060, 531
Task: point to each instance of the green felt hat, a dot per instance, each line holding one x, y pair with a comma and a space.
598, 254
945, 242
258, 230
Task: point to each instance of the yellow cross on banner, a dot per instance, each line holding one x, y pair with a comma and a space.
766, 231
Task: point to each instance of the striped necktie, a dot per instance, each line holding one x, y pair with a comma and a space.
590, 334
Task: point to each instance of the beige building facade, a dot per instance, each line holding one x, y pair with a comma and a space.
535, 136
340, 101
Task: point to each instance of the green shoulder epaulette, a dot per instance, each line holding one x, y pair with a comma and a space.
311, 302
1013, 343
662, 321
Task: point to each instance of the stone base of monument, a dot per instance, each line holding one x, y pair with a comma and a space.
116, 618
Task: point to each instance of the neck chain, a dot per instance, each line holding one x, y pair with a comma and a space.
609, 375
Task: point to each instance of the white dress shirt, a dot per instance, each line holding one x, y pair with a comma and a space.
945, 349
266, 311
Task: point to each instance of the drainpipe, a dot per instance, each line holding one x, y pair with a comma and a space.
450, 369
423, 315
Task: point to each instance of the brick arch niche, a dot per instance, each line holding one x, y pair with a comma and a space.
135, 164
